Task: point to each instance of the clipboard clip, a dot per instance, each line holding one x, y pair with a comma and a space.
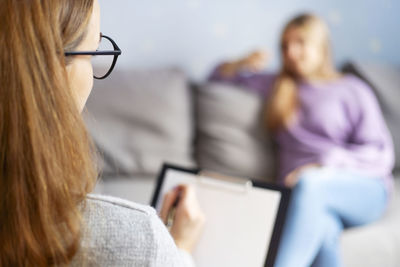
245, 184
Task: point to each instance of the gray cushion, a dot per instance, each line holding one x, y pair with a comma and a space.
139, 119
230, 138
138, 189
385, 80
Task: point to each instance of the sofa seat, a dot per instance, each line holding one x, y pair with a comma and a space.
377, 244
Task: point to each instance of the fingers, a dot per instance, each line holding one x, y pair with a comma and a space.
255, 61
188, 205
259, 55
292, 178
187, 194
228, 69
189, 219
168, 202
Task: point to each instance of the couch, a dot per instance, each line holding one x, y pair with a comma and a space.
140, 119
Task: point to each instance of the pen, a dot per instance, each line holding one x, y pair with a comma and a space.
171, 213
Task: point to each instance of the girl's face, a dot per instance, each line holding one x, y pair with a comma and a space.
80, 70
303, 52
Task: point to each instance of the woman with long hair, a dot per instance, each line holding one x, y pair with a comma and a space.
47, 159
334, 148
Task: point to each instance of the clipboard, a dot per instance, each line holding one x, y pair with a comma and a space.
244, 217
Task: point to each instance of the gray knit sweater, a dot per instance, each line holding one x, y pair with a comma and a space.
122, 233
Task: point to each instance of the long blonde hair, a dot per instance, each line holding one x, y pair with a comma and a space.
46, 155
282, 105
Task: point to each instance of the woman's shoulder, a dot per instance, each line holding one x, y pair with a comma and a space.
108, 217
117, 231
351, 88
98, 210
355, 84
357, 94
117, 205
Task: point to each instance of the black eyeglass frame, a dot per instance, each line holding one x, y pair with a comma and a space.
116, 53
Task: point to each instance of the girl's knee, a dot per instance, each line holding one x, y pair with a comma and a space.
308, 184
333, 229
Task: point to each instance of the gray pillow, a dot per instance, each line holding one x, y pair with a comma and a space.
230, 137
140, 119
385, 81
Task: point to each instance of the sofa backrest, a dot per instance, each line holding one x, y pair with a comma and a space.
230, 138
385, 81
140, 119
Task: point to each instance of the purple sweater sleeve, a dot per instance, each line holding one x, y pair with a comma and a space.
259, 83
370, 146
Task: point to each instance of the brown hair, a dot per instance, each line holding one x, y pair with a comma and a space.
283, 103
46, 155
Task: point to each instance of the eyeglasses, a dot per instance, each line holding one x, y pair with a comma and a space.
102, 66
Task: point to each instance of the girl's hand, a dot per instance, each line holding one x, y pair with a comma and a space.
293, 177
254, 62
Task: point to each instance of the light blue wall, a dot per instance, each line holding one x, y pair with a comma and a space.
195, 34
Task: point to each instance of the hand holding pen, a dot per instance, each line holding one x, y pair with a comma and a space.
181, 212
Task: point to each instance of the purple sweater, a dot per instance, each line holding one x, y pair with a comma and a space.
339, 124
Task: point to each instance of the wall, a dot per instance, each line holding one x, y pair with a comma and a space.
196, 34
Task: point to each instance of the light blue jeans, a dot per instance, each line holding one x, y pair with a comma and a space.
323, 203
